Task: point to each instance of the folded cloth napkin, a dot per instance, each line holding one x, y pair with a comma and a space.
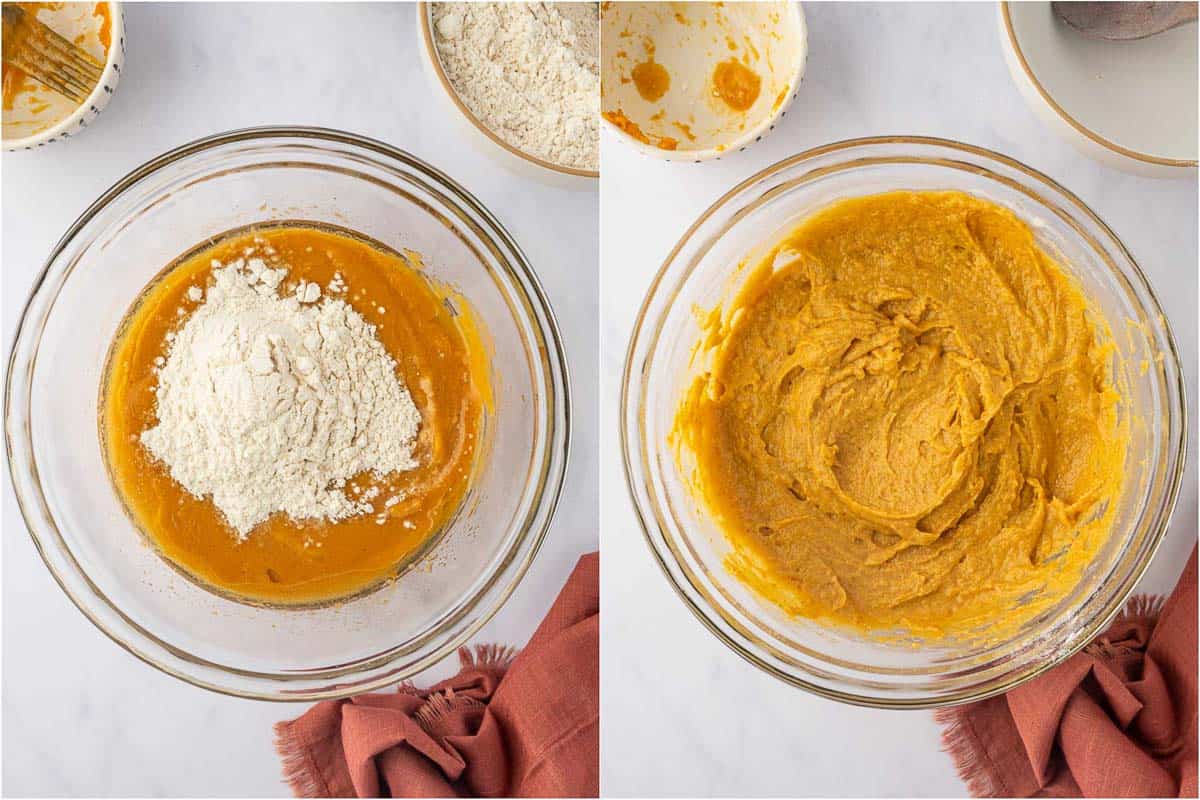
527, 726
1115, 720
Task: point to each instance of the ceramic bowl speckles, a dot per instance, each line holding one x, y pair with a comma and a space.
689, 43
86, 113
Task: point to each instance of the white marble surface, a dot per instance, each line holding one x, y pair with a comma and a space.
683, 715
80, 716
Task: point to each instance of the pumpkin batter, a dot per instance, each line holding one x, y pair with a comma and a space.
909, 427
439, 354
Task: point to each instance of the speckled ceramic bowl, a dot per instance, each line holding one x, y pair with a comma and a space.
86, 113
689, 40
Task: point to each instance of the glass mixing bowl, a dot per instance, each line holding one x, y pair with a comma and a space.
96, 554
690, 548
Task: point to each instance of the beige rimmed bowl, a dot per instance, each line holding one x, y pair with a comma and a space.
1131, 105
689, 40
482, 137
86, 113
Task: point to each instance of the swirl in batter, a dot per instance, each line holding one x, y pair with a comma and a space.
909, 423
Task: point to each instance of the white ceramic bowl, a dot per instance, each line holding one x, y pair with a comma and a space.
689, 40
86, 113
480, 136
1131, 105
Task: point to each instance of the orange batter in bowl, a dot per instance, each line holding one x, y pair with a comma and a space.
909, 423
441, 356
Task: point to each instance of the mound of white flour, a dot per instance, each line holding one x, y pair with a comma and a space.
270, 403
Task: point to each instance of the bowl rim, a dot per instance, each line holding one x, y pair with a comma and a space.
631, 426
746, 138
1010, 36
537, 521
424, 12
116, 49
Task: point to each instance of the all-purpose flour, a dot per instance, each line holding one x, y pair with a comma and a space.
529, 71
270, 401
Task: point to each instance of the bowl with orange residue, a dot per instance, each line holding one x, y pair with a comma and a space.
695, 81
35, 115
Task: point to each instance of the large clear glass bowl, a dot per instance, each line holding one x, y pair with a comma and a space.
96, 554
689, 546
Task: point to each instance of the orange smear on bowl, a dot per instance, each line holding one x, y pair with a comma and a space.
686, 130
14, 83
736, 84
631, 128
652, 80
105, 34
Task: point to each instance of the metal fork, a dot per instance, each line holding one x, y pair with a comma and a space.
33, 47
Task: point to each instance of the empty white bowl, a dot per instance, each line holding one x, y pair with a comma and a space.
1130, 104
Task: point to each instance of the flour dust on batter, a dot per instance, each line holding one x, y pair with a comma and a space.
291, 414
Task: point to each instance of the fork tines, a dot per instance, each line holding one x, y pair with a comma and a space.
35, 48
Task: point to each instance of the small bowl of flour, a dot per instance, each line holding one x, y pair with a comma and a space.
525, 80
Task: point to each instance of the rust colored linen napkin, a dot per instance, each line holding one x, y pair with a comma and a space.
523, 726
1115, 720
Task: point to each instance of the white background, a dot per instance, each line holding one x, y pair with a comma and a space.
682, 714
80, 716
